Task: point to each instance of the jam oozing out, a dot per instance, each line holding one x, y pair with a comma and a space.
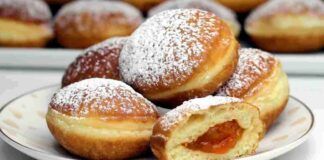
218, 139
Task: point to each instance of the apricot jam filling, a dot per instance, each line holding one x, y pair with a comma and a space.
218, 139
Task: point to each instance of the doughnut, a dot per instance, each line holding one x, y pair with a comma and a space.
80, 24
212, 128
25, 23
226, 14
177, 55
288, 26
101, 119
144, 5
241, 6
259, 80
98, 61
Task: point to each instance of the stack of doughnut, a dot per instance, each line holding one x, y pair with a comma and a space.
177, 59
226, 14
25, 23
80, 24
288, 25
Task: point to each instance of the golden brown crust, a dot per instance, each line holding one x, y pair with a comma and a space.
79, 27
36, 11
241, 5
102, 148
287, 26
98, 61
259, 80
203, 90
253, 67
144, 5
101, 119
179, 71
25, 23
14, 33
223, 12
270, 118
289, 43
103, 99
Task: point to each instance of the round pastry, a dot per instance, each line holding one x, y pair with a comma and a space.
80, 24
98, 61
101, 119
177, 55
259, 80
25, 23
288, 26
226, 14
144, 5
208, 128
241, 5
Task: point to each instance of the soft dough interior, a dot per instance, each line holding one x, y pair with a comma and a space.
188, 131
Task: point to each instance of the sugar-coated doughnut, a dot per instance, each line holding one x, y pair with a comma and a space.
241, 5
101, 119
98, 61
259, 80
288, 25
213, 128
144, 5
80, 24
25, 23
179, 54
219, 10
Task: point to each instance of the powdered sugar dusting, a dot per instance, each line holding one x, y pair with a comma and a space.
100, 60
26, 10
287, 6
252, 65
190, 107
168, 47
99, 9
100, 96
115, 42
206, 5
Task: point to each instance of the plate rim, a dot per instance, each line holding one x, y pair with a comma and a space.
39, 154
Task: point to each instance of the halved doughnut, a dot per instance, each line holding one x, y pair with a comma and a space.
210, 128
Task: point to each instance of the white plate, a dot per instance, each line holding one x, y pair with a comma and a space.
23, 126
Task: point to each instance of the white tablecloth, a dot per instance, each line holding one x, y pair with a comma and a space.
309, 89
